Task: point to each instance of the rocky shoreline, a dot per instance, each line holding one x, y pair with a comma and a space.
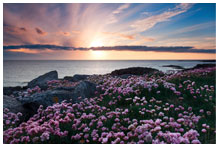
47, 89
117, 107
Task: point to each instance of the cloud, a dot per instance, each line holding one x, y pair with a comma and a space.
148, 39
13, 29
195, 27
125, 36
76, 32
38, 46
40, 31
23, 29
175, 49
151, 21
64, 33
119, 10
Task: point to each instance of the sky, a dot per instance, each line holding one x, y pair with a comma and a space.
109, 31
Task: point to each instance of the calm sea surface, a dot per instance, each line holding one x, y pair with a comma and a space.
18, 73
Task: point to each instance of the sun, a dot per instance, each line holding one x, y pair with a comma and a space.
97, 55
96, 43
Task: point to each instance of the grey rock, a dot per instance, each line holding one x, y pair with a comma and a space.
13, 90
133, 71
76, 78
84, 89
12, 104
41, 81
198, 66
125, 76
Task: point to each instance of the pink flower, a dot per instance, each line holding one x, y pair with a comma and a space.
7, 122
161, 114
117, 120
204, 130
204, 125
201, 111
86, 129
86, 136
104, 140
196, 142
180, 120
99, 123
44, 136
190, 109
171, 106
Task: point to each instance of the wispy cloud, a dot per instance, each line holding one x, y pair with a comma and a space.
175, 49
14, 29
119, 10
151, 21
195, 27
40, 31
76, 32
64, 33
125, 36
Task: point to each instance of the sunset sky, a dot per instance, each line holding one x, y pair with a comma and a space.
109, 31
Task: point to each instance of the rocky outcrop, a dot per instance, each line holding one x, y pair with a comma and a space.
133, 71
12, 104
12, 90
198, 66
76, 78
84, 89
174, 66
16, 106
125, 76
41, 81
204, 66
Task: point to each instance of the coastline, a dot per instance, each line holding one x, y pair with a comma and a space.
130, 88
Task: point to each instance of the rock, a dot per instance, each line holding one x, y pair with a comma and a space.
174, 66
84, 89
41, 81
11, 90
76, 78
133, 71
125, 76
15, 106
12, 104
198, 66
204, 66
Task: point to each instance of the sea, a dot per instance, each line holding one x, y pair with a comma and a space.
20, 72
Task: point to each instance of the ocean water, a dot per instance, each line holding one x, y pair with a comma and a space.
18, 73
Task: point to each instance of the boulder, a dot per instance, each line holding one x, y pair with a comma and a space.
133, 71
125, 76
15, 106
41, 81
12, 90
12, 104
76, 78
84, 89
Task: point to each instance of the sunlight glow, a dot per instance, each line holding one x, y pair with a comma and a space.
96, 43
97, 55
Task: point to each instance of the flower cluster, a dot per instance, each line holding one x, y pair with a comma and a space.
140, 109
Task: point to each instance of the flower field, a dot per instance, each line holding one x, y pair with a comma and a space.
157, 108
